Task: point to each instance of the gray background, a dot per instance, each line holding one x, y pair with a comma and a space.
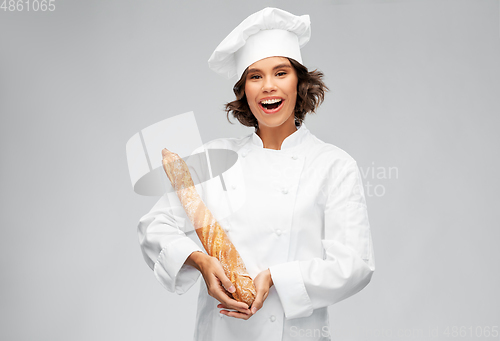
414, 85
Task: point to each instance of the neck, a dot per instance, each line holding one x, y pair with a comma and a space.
273, 137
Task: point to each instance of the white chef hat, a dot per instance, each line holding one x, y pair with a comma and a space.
268, 33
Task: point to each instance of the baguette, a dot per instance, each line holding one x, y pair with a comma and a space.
212, 236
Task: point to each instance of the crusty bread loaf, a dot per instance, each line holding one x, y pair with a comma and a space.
212, 236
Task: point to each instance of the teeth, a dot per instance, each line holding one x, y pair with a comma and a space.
271, 101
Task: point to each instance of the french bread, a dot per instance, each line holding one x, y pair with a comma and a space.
212, 236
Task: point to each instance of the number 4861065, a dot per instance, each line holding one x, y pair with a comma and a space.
28, 5
478, 331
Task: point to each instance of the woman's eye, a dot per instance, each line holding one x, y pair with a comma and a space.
254, 77
281, 73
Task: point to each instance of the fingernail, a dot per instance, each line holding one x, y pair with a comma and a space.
254, 310
231, 289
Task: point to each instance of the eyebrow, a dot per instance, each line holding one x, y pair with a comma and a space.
279, 66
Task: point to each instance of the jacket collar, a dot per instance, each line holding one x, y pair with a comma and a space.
290, 142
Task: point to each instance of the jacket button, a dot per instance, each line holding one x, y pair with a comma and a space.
284, 191
233, 186
272, 318
278, 232
245, 153
295, 157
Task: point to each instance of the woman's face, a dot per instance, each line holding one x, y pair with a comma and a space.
271, 91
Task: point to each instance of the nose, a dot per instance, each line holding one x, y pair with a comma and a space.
269, 85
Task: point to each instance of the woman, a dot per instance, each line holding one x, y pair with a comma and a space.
302, 231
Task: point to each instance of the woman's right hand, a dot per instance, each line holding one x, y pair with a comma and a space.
216, 280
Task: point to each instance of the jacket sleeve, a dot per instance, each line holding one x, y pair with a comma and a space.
166, 237
348, 262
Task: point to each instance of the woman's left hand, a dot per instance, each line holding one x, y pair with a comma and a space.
263, 282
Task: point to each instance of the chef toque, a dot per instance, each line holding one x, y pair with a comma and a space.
268, 33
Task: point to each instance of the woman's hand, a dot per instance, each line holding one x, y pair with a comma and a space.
217, 281
263, 282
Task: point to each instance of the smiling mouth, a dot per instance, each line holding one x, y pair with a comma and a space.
271, 105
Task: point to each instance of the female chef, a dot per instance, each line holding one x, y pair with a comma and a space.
302, 230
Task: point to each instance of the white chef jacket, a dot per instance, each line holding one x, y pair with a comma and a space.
299, 212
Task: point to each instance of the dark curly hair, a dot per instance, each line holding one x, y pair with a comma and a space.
310, 94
